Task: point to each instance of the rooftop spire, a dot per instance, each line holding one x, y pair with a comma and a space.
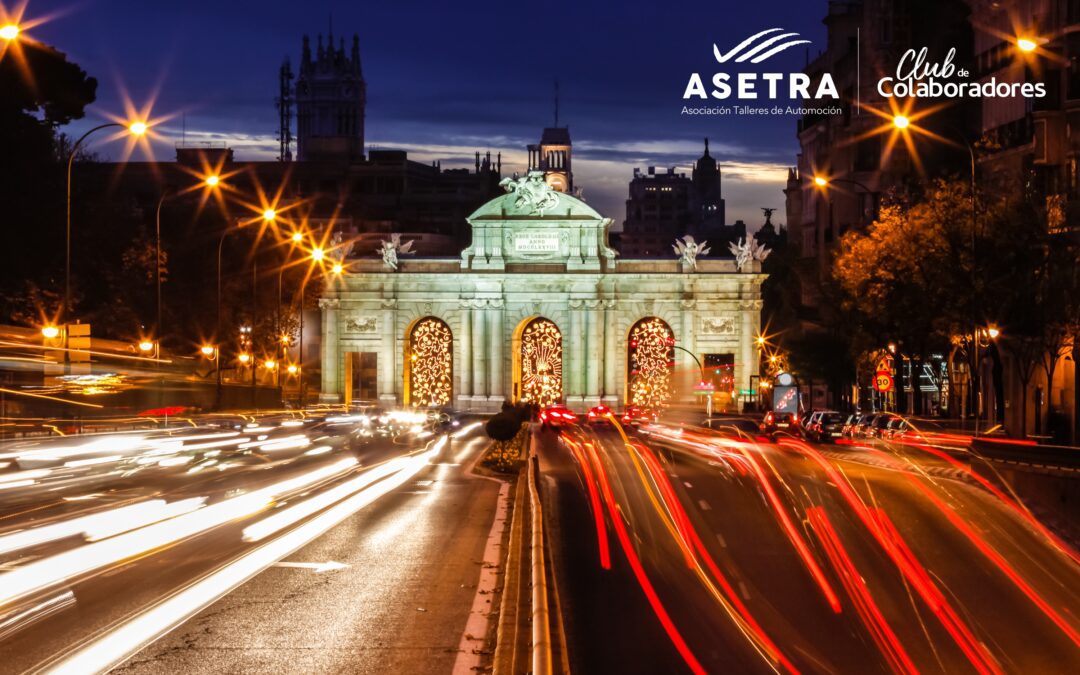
706, 146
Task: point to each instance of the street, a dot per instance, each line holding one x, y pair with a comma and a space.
363, 557
731, 555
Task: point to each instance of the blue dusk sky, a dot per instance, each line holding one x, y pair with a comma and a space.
448, 78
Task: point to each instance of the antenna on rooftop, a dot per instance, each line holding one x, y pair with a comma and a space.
556, 103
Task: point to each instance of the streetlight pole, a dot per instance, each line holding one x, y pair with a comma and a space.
137, 128
165, 194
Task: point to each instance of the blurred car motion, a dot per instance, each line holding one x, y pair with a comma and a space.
556, 416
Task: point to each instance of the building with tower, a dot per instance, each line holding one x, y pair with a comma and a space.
330, 96
553, 156
664, 205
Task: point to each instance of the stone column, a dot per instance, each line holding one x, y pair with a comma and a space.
495, 350
479, 356
464, 362
331, 389
612, 355
389, 386
750, 311
687, 341
593, 352
574, 367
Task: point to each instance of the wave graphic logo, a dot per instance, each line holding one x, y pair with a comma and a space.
751, 48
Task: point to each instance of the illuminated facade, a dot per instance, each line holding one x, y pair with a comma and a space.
537, 308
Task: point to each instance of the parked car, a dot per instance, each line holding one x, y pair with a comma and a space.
556, 416
809, 419
896, 427
862, 427
827, 426
780, 421
879, 427
600, 414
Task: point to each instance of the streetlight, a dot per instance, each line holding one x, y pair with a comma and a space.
901, 122
9, 32
137, 128
338, 268
269, 215
208, 350
50, 332
297, 237
243, 357
318, 254
212, 180
1027, 44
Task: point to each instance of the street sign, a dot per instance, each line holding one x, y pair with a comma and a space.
883, 381
884, 364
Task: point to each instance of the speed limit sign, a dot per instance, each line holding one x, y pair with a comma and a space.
883, 381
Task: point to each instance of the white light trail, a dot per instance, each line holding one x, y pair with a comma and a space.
46, 572
133, 635
99, 525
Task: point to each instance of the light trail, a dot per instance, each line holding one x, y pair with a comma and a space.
41, 574
131, 636
99, 525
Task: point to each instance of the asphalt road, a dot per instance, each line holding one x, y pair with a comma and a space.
351, 554
743, 556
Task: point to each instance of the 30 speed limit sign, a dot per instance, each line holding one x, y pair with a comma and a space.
883, 381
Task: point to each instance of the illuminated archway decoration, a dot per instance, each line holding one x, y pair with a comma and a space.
651, 357
429, 359
541, 363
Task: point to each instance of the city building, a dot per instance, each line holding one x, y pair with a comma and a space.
553, 155
665, 205
538, 309
330, 96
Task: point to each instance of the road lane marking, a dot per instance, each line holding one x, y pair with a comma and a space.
687, 484
720, 537
745, 593
317, 567
131, 636
704, 505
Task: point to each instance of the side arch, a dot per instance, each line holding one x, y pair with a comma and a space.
429, 363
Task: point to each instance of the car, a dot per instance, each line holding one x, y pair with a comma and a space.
810, 419
600, 414
896, 427
635, 415
861, 428
880, 426
828, 425
780, 421
556, 416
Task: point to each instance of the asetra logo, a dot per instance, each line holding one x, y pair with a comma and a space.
755, 49
764, 44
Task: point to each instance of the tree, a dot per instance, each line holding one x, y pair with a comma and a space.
929, 270
41, 90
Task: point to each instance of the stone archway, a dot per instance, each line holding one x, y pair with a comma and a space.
538, 362
429, 363
650, 360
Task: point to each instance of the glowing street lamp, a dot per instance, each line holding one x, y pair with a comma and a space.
820, 181
137, 128
146, 346
208, 350
269, 215
297, 237
9, 32
1026, 44
338, 268
292, 369
243, 357
50, 332
993, 332
270, 364
212, 180
901, 122
318, 254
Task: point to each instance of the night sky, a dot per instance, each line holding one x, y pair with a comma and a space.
448, 78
